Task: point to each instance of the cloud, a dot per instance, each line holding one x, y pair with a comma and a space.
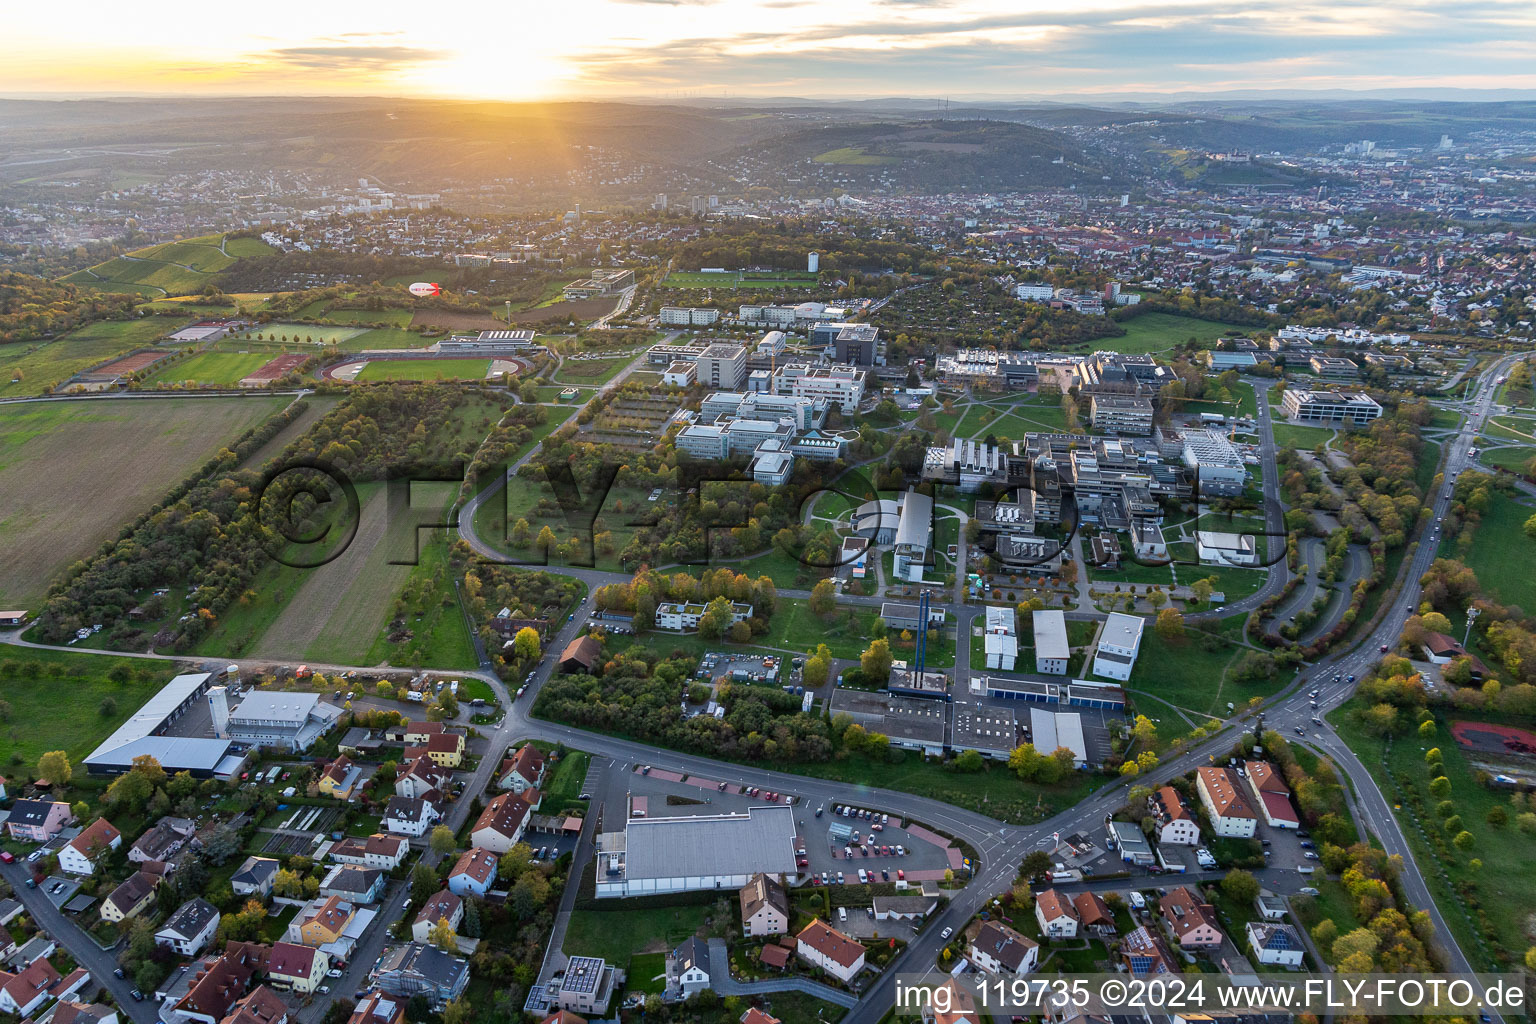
354, 58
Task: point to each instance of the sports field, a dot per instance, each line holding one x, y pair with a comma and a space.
73, 473
219, 368
53, 362
426, 369
300, 334
385, 337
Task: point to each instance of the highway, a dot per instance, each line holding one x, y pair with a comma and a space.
1000, 847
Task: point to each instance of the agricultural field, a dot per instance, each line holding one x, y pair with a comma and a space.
245, 248
45, 364
215, 368
425, 369
853, 155
171, 268
298, 334
101, 462
390, 317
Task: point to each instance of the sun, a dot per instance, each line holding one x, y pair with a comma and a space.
498, 75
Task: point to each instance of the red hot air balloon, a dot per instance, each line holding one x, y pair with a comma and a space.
425, 288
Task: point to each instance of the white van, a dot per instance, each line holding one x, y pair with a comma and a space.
1136, 900
842, 913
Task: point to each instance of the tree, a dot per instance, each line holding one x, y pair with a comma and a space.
526, 644
515, 861
1427, 729
147, 766
823, 598
1201, 590
288, 883
1025, 762
716, 619
1324, 933
1497, 816
1036, 866
442, 840
443, 937
1144, 731
458, 1012
1530, 528
423, 883
1440, 787
818, 665
129, 789
1169, 625
53, 767
969, 761
1240, 887
1464, 841
1361, 941
875, 662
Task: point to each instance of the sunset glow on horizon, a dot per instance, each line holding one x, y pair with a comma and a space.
661, 48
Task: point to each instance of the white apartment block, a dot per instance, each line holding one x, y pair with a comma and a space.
1352, 407
688, 316
1119, 642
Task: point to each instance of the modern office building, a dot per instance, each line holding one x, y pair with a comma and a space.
722, 366
284, 720
1121, 414
1052, 651
1352, 407
1119, 643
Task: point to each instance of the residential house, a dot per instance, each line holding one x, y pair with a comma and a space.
752, 1015
1276, 944
356, 885
259, 1006
1056, 914
80, 855
421, 777
687, 968
416, 734
1272, 907
580, 655
951, 1003
254, 877
190, 928
159, 845
411, 816
998, 949
442, 906
764, 907
474, 873
341, 779
296, 967
1221, 794
1176, 824
1191, 920
323, 922
1271, 795
1093, 915
501, 824
70, 1012
378, 1008
218, 986
24, 992
1145, 952
821, 945
523, 770
417, 969
587, 986
129, 898
37, 821
446, 750
377, 851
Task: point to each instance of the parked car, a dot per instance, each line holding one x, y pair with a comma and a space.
946, 933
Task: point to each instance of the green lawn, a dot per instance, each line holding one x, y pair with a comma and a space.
1512, 459
1500, 554
385, 338
57, 701
1189, 674
853, 155
793, 627
567, 778
244, 248
439, 635
223, 368
1290, 436
49, 363
389, 317
590, 371
647, 973
616, 935
1157, 332
426, 369
1508, 856
297, 334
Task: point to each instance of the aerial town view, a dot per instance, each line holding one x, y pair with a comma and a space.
728, 512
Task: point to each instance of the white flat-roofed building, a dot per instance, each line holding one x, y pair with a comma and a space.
910, 546
1352, 407
999, 639
1119, 642
488, 343
1052, 651
1034, 291
1219, 467
1121, 414
723, 365
140, 734
290, 721
703, 441
771, 466
839, 385
1147, 541
1234, 549
692, 852
679, 375
687, 316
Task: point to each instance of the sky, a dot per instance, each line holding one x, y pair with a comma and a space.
551, 49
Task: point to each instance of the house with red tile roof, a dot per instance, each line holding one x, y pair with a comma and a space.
80, 854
